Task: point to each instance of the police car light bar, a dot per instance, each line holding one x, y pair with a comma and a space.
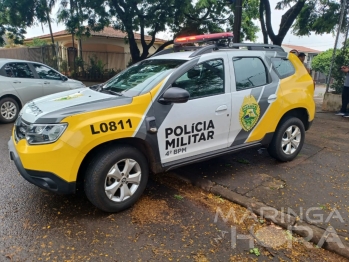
202, 38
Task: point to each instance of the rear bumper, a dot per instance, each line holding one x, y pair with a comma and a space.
45, 180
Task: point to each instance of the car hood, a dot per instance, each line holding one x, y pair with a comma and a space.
54, 108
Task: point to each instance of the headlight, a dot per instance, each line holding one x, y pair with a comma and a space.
44, 134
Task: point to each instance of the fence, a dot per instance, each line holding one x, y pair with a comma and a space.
87, 65
92, 66
43, 54
319, 77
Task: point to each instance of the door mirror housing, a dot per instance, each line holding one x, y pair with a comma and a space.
174, 95
64, 78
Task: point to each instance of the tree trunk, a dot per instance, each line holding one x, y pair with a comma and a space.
135, 53
286, 20
71, 14
237, 21
52, 39
162, 47
50, 27
261, 19
73, 53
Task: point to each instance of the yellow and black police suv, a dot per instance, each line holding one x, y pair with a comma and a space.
183, 105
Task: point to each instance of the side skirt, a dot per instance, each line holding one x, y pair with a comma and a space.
203, 157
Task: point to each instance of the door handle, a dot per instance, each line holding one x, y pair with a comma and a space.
272, 98
46, 82
221, 108
17, 82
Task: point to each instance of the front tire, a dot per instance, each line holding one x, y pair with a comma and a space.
288, 140
9, 110
116, 178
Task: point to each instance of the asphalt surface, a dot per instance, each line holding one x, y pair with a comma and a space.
314, 186
36, 225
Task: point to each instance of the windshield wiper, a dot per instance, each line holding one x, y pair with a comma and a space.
110, 92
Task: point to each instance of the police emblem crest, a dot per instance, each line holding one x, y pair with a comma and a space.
249, 113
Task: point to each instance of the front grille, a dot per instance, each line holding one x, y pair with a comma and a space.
20, 129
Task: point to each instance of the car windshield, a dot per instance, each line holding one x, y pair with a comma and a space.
140, 77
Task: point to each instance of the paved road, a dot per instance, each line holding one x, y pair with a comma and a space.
172, 221
312, 186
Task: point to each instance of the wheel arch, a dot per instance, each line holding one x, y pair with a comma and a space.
16, 98
138, 143
300, 113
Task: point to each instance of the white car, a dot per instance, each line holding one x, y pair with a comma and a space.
22, 81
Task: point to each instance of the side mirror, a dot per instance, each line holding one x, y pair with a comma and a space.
64, 78
174, 95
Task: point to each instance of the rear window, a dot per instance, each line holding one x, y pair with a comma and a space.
283, 67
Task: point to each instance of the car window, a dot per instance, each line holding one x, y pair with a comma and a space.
283, 67
7, 71
141, 76
19, 70
205, 79
45, 72
250, 72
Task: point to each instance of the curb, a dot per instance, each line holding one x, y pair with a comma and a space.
269, 213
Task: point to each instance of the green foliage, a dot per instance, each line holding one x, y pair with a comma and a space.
64, 66
79, 62
96, 67
80, 12
318, 16
149, 17
338, 76
178, 197
303, 16
15, 16
112, 72
322, 63
37, 42
255, 251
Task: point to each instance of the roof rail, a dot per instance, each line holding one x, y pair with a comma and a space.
176, 49
254, 46
199, 50
203, 50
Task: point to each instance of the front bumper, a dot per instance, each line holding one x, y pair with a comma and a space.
45, 180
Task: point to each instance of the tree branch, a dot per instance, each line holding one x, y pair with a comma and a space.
202, 18
162, 47
153, 35
268, 22
141, 23
288, 19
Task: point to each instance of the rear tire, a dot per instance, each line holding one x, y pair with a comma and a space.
9, 110
288, 140
116, 178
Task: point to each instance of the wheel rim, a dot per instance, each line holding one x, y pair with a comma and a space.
291, 140
122, 180
8, 110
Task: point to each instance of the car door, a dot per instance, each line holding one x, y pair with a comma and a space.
23, 81
253, 91
51, 79
201, 125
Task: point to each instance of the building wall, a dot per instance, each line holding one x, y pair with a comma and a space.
309, 56
111, 51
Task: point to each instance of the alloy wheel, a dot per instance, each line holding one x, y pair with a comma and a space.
122, 180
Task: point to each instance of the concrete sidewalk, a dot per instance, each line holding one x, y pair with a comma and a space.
310, 188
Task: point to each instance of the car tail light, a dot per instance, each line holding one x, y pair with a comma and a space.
202, 38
